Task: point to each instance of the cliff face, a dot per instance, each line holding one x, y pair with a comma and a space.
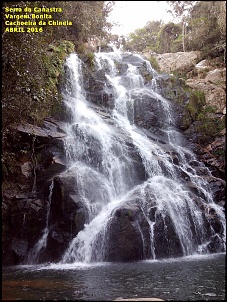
203, 123
39, 152
41, 160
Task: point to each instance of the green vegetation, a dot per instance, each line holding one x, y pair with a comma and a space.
144, 38
206, 121
202, 27
154, 63
90, 59
205, 112
209, 128
207, 28
169, 39
195, 103
33, 62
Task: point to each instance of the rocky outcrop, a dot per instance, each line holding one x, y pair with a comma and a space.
213, 86
129, 236
169, 62
129, 230
45, 191
39, 158
23, 219
202, 122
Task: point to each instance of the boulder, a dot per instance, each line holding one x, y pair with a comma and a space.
169, 62
129, 230
217, 76
124, 238
214, 95
204, 64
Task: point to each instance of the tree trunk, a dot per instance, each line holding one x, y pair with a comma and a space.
183, 35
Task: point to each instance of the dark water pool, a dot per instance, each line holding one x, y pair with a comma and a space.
181, 279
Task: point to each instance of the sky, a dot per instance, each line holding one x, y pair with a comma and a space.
135, 14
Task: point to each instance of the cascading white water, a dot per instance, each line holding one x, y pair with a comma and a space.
105, 173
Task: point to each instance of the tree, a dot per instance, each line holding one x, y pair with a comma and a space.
168, 38
181, 10
144, 38
207, 28
89, 18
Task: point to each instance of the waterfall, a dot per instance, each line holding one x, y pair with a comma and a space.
108, 151
34, 253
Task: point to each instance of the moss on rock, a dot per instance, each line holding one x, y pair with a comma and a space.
195, 103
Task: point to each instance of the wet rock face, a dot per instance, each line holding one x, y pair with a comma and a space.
25, 199
128, 231
202, 75
200, 127
125, 242
166, 241
24, 219
67, 217
146, 112
129, 235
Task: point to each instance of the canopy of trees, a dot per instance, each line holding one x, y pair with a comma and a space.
206, 30
145, 37
201, 26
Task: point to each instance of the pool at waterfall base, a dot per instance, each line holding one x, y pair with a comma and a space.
191, 278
